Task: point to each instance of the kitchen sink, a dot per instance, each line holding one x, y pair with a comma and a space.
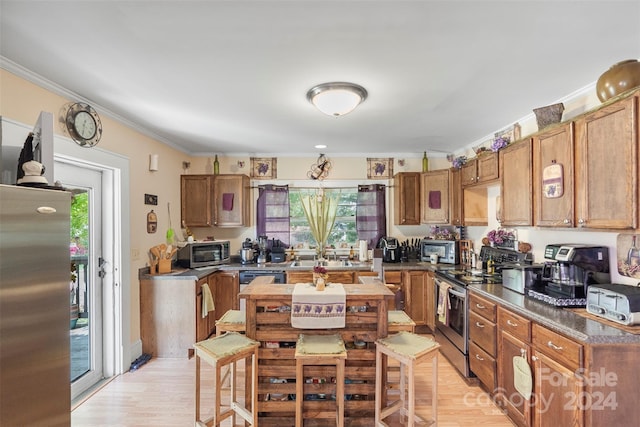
309, 263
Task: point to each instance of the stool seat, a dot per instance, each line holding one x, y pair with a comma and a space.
409, 350
232, 320
219, 352
320, 350
408, 345
400, 321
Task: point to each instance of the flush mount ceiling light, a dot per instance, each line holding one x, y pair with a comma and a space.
337, 98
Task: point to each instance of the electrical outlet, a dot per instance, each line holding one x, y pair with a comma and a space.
135, 254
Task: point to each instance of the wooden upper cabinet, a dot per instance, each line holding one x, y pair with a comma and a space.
516, 176
406, 198
553, 172
480, 170
195, 197
231, 205
435, 197
455, 196
606, 158
488, 168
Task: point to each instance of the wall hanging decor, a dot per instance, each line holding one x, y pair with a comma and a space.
320, 169
264, 168
379, 168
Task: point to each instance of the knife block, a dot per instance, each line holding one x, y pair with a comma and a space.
164, 266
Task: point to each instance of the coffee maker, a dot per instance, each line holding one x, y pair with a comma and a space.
571, 268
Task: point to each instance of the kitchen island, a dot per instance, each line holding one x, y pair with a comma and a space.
268, 320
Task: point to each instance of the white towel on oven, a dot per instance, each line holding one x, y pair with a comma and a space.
444, 304
313, 309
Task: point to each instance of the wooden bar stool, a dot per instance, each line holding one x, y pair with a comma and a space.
320, 350
409, 350
231, 321
400, 321
219, 352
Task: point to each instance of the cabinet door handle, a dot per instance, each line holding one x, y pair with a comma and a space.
567, 221
553, 346
515, 325
479, 358
479, 325
480, 306
534, 358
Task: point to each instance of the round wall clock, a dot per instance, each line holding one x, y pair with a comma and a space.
83, 124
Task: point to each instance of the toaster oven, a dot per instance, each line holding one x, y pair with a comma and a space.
448, 251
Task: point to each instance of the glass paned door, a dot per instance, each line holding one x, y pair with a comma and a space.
85, 286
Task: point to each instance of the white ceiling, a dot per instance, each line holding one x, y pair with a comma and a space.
232, 76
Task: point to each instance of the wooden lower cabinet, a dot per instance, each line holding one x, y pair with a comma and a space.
416, 290
483, 343
558, 393
517, 407
171, 318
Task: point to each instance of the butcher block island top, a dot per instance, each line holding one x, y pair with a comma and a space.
268, 320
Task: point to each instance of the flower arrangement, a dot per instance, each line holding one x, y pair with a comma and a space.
438, 233
318, 269
499, 236
459, 161
499, 143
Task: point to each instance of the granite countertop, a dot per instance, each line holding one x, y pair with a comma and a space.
198, 273
561, 320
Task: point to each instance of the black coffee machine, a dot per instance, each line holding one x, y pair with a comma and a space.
572, 268
390, 249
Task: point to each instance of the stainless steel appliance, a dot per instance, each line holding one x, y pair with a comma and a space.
248, 252
616, 302
448, 251
35, 386
452, 331
569, 271
204, 254
452, 328
521, 278
390, 249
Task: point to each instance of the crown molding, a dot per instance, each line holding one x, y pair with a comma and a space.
22, 72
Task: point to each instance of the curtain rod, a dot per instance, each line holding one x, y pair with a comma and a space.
324, 188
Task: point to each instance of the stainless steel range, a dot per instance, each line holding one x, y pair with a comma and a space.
452, 314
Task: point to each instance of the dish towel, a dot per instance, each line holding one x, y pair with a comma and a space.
312, 309
443, 303
207, 300
227, 201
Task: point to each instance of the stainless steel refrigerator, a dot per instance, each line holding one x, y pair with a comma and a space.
34, 307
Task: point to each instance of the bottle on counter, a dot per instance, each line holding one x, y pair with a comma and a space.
352, 254
472, 255
490, 265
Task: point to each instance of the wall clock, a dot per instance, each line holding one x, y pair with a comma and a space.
83, 124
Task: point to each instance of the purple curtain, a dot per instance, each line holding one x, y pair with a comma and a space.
272, 213
371, 217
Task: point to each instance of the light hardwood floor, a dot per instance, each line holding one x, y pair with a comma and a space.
161, 393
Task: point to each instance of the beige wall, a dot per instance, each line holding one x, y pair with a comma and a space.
22, 101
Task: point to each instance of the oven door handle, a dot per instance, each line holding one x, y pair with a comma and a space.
457, 294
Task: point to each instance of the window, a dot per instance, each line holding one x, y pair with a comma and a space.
360, 215
343, 234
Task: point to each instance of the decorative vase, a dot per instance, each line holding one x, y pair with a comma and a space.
548, 115
319, 281
621, 77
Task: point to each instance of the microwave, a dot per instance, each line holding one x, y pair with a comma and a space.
448, 251
204, 254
